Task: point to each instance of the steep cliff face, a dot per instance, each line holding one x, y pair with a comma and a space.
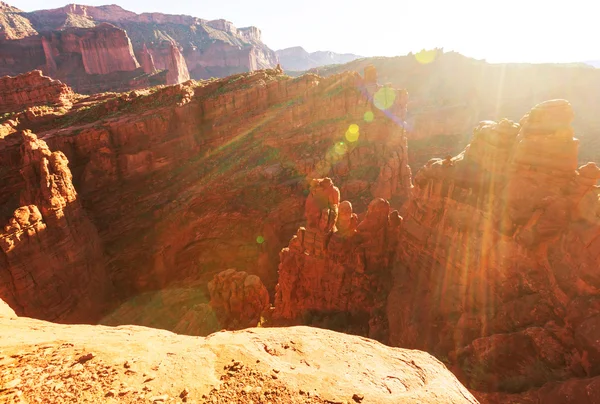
105, 50
44, 39
31, 89
169, 58
336, 269
52, 265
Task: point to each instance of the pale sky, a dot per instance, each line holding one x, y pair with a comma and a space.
498, 31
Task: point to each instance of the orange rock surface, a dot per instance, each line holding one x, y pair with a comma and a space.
31, 89
97, 49
52, 265
135, 364
488, 261
183, 181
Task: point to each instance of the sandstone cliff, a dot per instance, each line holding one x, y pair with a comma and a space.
52, 265
73, 42
105, 50
33, 89
491, 269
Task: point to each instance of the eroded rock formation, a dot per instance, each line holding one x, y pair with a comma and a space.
32, 89
51, 263
170, 59
238, 299
106, 49
336, 269
492, 268
497, 254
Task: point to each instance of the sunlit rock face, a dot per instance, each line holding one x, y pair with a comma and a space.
492, 268
335, 270
98, 49
497, 256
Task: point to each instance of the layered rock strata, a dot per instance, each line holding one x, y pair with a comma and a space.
495, 265
51, 259
186, 180
97, 49
33, 89
492, 268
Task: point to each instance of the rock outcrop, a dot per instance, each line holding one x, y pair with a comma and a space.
492, 268
33, 89
170, 59
336, 269
51, 263
147, 61
495, 265
239, 300
291, 365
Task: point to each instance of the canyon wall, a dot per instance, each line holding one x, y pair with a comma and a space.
93, 49
492, 267
51, 263
175, 179
106, 49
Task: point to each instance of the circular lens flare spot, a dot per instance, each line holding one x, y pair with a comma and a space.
260, 239
369, 116
426, 56
384, 97
353, 128
352, 137
340, 148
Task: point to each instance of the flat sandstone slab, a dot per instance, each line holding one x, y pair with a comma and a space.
78, 363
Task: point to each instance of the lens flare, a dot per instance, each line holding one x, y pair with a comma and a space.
260, 239
384, 97
340, 148
426, 56
353, 128
369, 116
352, 137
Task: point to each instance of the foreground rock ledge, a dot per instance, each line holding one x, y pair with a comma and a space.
75, 363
